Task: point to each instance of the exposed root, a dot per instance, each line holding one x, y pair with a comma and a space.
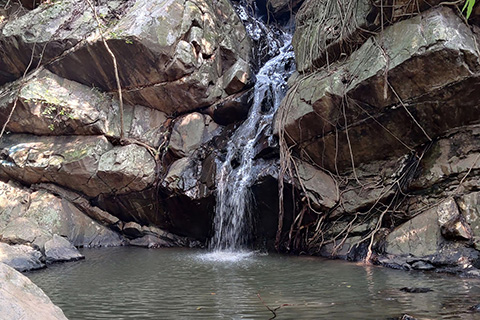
115, 66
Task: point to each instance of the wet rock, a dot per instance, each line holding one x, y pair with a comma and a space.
59, 249
187, 191
190, 132
172, 56
280, 8
169, 238
31, 4
232, 109
475, 308
415, 290
349, 249
22, 299
456, 229
21, 257
315, 111
266, 206
469, 205
422, 265
144, 207
237, 77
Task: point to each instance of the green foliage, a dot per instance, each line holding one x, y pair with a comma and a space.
56, 113
469, 6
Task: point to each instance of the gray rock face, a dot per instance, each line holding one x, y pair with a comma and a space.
50, 29
410, 53
20, 257
22, 299
174, 55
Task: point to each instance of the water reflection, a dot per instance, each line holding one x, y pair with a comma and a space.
132, 283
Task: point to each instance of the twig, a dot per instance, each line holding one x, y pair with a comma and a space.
115, 67
20, 86
273, 311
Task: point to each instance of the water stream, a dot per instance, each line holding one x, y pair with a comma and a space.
233, 222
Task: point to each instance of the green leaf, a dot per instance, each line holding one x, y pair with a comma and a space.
469, 6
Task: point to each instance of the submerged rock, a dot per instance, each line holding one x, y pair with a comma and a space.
415, 290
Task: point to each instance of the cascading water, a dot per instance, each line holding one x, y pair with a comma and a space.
236, 172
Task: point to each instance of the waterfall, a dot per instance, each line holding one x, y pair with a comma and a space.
236, 171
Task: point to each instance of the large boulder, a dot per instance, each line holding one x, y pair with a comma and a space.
88, 164
49, 105
329, 30
321, 105
43, 34
172, 55
450, 156
320, 188
46, 215
22, 299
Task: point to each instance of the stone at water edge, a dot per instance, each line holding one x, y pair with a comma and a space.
59, 249
22, 299
21, 257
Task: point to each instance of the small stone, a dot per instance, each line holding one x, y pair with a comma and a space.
422, 265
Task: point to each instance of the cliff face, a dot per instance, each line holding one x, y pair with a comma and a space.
379, 128
392, 116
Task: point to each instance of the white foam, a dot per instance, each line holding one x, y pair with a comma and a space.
227, 256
